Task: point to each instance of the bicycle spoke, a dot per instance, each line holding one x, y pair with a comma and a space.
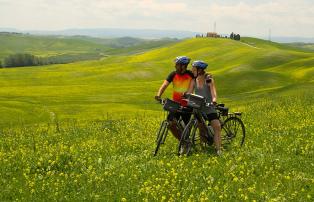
237, 126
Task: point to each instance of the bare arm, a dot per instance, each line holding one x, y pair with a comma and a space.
212, 87
191, 87
162, 88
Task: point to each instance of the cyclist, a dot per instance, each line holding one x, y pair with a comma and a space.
204, 85
181, 79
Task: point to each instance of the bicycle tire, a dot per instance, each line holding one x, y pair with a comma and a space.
204, 140
184, 140
233, 132
192, 138
161, 136
159, 131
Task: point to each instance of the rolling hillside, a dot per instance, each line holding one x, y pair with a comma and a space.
120, 83
74, 48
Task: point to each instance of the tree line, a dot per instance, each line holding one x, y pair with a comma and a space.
23, 60
26, 59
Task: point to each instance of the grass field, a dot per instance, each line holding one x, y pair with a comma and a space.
86, 130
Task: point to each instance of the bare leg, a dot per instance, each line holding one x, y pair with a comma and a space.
175, 130
203, 131
217, 134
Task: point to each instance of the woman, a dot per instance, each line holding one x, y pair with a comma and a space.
204, 85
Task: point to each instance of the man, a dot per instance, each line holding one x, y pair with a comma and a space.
181, 79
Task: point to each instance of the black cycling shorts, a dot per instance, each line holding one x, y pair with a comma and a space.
176, 115
211, 116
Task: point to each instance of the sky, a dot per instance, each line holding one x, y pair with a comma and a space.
246, 17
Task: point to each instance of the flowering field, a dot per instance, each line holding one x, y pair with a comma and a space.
111, 159
86, 131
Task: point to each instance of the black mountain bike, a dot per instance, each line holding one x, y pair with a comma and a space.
168, 106
232, 127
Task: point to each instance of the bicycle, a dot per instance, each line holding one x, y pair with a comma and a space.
169, 106
232, 126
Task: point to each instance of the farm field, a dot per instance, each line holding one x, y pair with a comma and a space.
86, 130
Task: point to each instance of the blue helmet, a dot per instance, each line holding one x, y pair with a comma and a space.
199, 64
183, 60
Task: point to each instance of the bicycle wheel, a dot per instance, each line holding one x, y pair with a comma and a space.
161, 135
192, 138
161, 128
185, 142
232, 132
202, 140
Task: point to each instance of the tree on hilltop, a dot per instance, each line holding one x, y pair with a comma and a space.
237, 37
231, 35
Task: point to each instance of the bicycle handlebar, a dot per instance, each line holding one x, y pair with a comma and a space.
181, 109
187, 109
162, 101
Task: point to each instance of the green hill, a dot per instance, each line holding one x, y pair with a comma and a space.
119, 83
76, 48
45, 46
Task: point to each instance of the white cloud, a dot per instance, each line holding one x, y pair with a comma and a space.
249, 17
